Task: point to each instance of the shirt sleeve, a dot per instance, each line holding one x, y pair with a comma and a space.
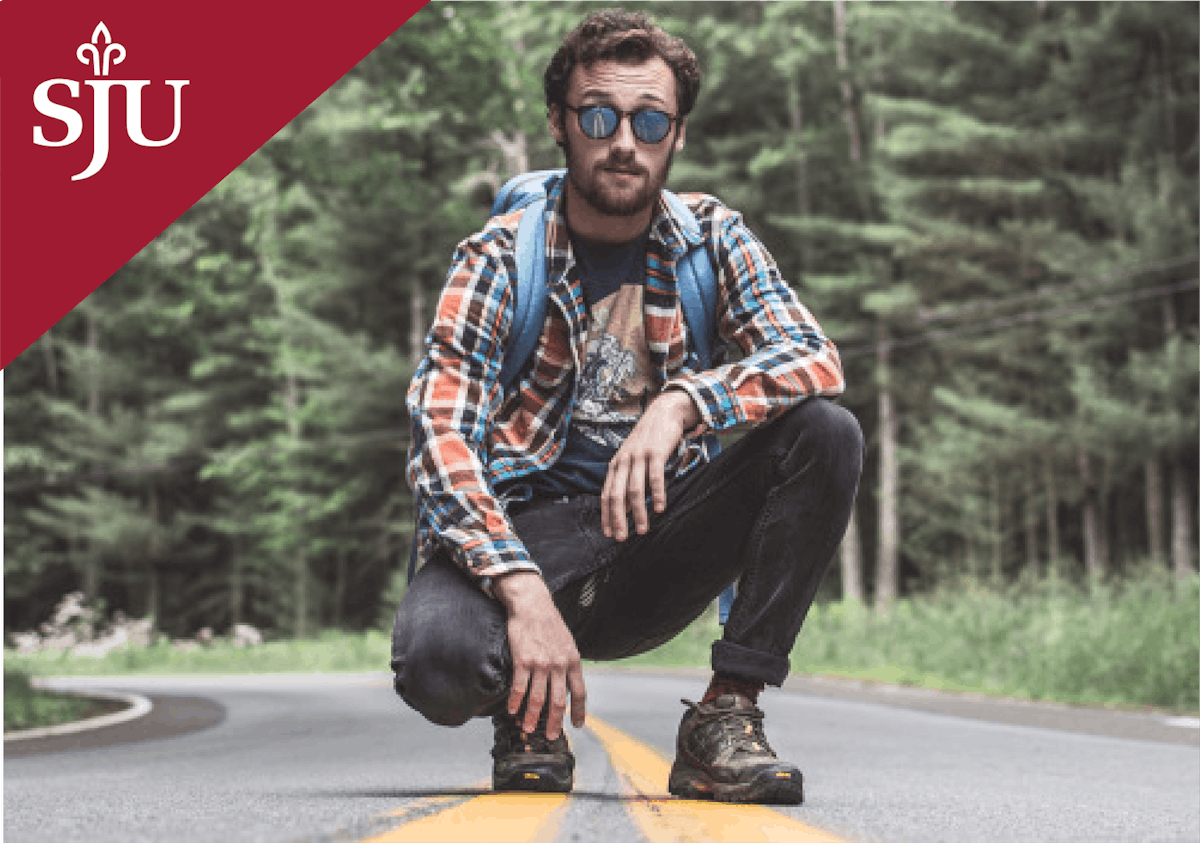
787, 356
452, 398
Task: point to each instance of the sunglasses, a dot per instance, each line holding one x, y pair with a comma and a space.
601, 121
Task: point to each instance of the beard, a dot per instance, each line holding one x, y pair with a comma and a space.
595, 186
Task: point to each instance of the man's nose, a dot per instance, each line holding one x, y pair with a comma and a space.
623, 140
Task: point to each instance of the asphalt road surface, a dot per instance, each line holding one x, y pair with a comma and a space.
340, 758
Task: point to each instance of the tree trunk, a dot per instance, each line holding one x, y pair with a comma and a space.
300, 586
92, 573
852, 561
1103, 521
1154, 510
291, 411
887, 566
155, 550
1054, 545
152, 599
236, 586
417, 329
997, 572
1181, 521
796, 118
51, 366
843, 65
1166, 93
339, 589
1032, 558
1092, 560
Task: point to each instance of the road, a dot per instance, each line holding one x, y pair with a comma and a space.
340, 758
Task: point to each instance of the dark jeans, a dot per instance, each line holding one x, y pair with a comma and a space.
768, 513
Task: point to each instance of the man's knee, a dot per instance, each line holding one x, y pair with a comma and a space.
820, 429
449, 648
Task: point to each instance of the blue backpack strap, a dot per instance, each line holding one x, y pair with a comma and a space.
699, 298
520, 190
529, 309
725, 603
697, 286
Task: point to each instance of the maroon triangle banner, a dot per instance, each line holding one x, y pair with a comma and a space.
117, 116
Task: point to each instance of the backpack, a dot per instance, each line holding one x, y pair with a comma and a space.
697, 290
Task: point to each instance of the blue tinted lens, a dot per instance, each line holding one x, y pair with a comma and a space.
651, 126
598, 121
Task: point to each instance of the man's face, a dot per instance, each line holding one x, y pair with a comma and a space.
619, 175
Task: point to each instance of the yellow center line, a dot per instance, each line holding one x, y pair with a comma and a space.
419, 805
665, 819
488, 818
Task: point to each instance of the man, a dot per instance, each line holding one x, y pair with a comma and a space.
582, 512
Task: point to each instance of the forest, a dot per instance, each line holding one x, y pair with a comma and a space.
991, 207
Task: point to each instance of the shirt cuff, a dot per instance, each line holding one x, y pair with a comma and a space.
712, 396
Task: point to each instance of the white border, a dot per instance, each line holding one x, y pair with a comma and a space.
139, 706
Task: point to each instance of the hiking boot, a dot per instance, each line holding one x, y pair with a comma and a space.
722, 754
530, 762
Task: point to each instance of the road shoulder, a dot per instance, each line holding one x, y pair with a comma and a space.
168, 716
1160, 726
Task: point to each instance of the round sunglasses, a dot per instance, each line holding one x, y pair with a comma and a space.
601, 121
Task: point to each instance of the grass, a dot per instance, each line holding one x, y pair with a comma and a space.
1132, 644
26, 707
331, 652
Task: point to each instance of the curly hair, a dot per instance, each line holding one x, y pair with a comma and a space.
618, 35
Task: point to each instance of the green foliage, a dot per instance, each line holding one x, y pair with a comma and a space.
1133, 643
26, 707
217, 435
331, 651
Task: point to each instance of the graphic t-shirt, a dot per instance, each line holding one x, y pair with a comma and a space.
617, 381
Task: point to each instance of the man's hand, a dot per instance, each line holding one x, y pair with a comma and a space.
643, 459
545, 659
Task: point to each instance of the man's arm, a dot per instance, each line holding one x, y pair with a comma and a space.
787, 356
453, 397
787, 359
451, 402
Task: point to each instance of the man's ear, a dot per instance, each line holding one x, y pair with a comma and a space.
681, 136
555, 121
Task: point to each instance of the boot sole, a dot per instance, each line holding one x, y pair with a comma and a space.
776, 785
551, 776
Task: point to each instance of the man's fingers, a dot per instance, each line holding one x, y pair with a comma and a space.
605, 526
519, 685
636, 495
578, 696
558, 705
535, 700
613, 503
658, 482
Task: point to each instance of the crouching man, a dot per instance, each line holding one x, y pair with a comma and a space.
583, 511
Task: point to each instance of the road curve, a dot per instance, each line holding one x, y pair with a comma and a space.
325, 758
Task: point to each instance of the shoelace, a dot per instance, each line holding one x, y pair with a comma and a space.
741, 727
511, 735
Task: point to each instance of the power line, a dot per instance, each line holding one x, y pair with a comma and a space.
952, 311
1018, 319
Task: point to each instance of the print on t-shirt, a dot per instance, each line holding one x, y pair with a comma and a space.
617, 380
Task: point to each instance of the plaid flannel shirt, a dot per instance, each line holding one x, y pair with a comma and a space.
468, 435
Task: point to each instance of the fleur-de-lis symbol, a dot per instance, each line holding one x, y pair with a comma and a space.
90, 53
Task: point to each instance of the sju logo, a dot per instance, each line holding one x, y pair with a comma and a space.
102, 54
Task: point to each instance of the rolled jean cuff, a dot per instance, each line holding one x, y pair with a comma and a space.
744, 663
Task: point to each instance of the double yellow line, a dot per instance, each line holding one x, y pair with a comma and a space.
524, 817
